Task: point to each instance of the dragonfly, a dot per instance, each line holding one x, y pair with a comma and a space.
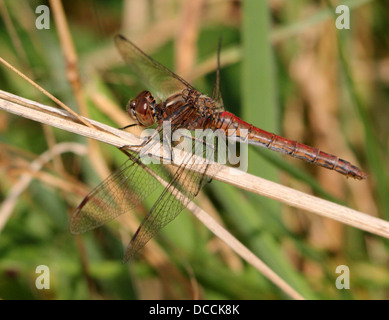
182, 106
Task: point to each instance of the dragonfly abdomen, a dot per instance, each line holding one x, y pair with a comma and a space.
265, 139
315, 156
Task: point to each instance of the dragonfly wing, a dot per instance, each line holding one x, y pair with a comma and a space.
160, 80
118, 194
184, 185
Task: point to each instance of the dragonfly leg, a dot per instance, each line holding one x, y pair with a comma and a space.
129, 126
141, 145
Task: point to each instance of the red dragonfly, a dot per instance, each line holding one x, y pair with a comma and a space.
183, 107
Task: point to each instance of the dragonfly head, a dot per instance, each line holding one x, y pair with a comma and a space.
142, 109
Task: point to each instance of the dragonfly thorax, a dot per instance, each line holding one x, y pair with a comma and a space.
142, 109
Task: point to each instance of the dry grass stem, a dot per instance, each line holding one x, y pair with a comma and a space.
61, 119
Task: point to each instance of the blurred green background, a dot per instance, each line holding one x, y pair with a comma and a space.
285, 68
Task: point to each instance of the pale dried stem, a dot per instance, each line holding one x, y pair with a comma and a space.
74, 78
70, 54
118, 138
187, 35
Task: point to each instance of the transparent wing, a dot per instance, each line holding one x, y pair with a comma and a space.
120, 192
184, 186
160, 80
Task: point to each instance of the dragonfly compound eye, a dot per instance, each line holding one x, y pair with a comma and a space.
143, 110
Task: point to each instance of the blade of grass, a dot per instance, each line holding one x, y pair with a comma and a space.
258, 78
259, 107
